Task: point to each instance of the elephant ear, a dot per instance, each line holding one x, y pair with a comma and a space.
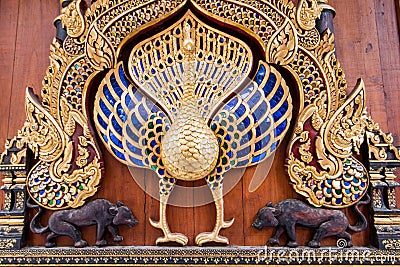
276, 212
113, 210
269, 204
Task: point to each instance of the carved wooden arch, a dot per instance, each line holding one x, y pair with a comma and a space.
330, 126
289, 39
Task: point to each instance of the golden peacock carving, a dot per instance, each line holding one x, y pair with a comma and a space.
191, 113
190, 100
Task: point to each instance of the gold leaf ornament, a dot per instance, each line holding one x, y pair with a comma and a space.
72, 19
98, 50
283, 46
307, 12
41, 132
345, 130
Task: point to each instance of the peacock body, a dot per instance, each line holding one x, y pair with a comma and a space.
188, 111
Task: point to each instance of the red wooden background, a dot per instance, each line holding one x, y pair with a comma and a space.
367, 39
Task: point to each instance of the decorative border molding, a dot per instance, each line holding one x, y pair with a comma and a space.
194, 256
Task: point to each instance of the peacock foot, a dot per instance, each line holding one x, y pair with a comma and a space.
207, 237
213, 236
173, 237
168, 236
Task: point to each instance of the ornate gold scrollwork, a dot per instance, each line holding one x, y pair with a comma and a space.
72, 18
99, 50
52, 182
307, 12
41, 132
380, 144
333, 178
345, 130
329, 126
282, 47
391, 244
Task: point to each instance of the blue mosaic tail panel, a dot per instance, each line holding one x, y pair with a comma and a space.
258, 117
121, 116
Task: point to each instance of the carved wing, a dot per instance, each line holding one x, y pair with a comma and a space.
257, 118
128, 122
345, 130
67, 172
41, 131
320, 163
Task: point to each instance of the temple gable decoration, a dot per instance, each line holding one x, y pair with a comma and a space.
191, 89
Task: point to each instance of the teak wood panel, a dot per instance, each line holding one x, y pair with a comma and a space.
367, 40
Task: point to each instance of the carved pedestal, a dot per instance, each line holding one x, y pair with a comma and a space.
14, 167
383, 158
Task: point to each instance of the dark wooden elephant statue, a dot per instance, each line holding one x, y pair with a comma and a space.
291, 212
100, 211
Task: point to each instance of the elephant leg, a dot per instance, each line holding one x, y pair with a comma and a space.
114, 232
274, 240
291, 232
100, 241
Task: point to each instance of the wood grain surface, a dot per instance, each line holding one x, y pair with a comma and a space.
367, 40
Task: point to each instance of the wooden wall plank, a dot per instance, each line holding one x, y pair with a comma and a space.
35, 33
32, 41
358, 51
389, 52
397, 4
9, 21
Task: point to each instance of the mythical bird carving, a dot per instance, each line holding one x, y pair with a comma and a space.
191, 112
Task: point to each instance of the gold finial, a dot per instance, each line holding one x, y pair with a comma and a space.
188, 62
188, 43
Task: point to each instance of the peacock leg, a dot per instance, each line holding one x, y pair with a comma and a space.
166, 185
216, 190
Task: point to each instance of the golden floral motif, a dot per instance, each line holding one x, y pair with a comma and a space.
7, 243
377, 198
307, 12
304, 149
72, 18
391, 243
17, 158
392, 198
82, 159
282, 47
7, 201
19, 200
316, 121
99, 50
